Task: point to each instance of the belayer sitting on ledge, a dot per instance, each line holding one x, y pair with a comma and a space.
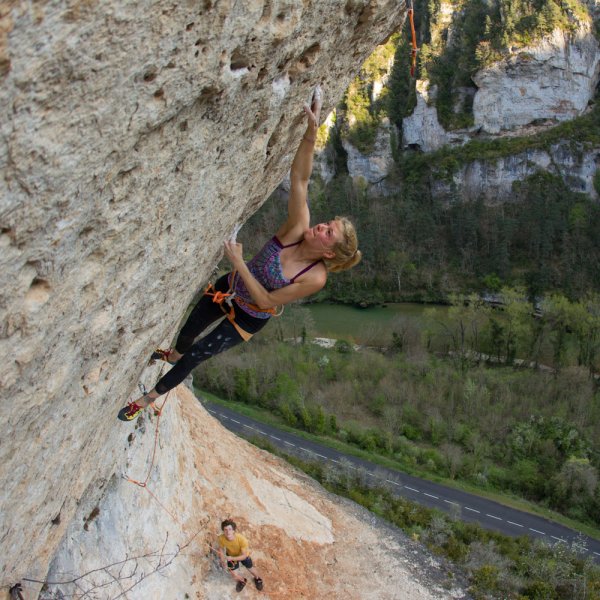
236, 552
292, 265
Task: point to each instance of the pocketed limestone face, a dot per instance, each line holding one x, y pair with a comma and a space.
134, 136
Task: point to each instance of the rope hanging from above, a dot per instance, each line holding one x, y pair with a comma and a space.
413, 52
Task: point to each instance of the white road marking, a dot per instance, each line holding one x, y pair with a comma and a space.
388, 480
516, 524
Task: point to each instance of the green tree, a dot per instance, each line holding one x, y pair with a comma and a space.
583, 319
557, 313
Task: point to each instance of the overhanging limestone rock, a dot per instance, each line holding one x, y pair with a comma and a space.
134, 136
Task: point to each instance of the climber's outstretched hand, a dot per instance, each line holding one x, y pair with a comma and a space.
313, 112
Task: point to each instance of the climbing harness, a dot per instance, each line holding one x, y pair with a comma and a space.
228, 297
413, 52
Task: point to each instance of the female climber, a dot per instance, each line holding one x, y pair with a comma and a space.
293, 264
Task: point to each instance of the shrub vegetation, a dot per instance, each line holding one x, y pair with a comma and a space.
496, 566
458, 401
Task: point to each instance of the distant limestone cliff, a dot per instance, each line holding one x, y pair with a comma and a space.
485, 85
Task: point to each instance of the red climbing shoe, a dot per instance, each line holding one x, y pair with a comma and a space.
160, 354
130, 412
240, 585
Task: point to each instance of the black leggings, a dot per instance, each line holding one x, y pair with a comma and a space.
223, 337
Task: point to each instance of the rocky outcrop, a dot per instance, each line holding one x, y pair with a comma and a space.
374, 167
155, 541
551, 80
533, 88
422, 130
134, 137
493, 180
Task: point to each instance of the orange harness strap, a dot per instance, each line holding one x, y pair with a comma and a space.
271, 311
413, 53
221, 297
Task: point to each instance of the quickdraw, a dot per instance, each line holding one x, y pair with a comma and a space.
413, 52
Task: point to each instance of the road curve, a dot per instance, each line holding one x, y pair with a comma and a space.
468, 507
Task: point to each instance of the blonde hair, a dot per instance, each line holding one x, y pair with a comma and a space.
347, 254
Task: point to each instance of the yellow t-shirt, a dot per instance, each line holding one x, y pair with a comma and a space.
236, 547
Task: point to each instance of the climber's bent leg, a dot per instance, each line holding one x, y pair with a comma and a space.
203, 314
220, 339
223, 337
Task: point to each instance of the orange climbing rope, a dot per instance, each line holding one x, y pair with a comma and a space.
219, 298
144, 484
413, 52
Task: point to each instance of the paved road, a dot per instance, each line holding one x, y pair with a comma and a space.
468, 507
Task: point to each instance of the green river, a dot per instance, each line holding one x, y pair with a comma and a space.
362, 325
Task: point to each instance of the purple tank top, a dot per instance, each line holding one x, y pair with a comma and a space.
266, 269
